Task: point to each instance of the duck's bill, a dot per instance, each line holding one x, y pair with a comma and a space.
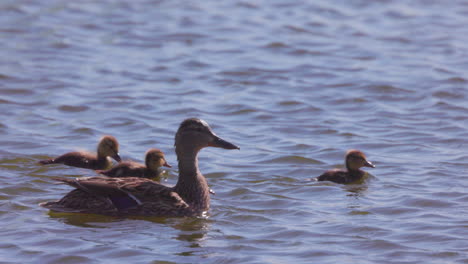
167, 165
221, 143
117, 157
369, 164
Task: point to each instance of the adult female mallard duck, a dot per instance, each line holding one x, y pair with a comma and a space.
107, 147
154, 159
144, 197
355, 159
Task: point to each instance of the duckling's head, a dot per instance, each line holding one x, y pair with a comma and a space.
355, 159
109, 147
194, 134
155, 159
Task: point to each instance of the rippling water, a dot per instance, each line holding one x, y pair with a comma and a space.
293, 83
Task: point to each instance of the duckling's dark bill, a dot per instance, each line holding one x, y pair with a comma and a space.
221, 143
369, 164
117, 157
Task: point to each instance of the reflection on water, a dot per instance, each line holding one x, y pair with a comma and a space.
356, 190
192, 230
83, 220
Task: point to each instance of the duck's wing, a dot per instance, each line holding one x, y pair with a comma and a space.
78, 201
130, 195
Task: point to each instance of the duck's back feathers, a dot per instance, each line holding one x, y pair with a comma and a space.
336, 175
79, 201
120, 196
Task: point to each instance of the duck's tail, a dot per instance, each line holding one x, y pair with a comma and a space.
47, 161
57, 207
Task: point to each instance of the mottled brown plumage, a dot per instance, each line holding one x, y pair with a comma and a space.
355, 159
154, 159
107, 147
144, 197
120, 196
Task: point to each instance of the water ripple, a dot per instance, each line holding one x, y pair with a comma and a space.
294, 90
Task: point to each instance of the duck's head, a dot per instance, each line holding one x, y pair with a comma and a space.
155, 159
109, 147
355, 159
194, 134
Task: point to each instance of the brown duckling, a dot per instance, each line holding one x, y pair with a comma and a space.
154, 159
355, 159
144, 197
107, 147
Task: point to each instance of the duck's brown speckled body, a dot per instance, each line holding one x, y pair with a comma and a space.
355, 159
154, 159
144, 197
107, 147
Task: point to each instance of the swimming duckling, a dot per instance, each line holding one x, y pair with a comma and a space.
108, 147
144, 197
355, 159
154, 159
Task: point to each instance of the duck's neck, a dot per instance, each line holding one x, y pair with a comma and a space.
100, 155
102, 160
354, 174
192, 185
151, 168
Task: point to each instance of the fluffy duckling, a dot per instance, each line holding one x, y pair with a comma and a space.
144, 197
154, 159
108, 147
355, 159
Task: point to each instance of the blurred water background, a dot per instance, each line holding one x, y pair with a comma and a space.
294, 83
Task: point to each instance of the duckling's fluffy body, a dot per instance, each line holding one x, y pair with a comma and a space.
129, 169
144, 197
107, 147
154, 159
354, 160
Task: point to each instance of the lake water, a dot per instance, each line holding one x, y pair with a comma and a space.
293, 83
